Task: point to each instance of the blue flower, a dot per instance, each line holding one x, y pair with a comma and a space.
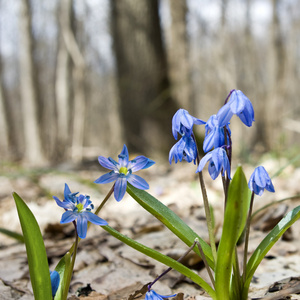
55, 279
239, 105
152, 295
218, 161
122, 172
259, 181
214, 134
78, 207
185, 148
183, 122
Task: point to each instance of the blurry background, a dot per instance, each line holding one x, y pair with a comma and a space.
79, 78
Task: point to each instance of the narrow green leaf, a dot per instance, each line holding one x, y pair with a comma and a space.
170, 220
36, 252
162, 258
12, 234
234, 222
267, 243
63, 268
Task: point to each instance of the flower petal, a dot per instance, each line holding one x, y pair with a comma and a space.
123, 157
94, 218
120, 188
55, 279
224, 115
138, 182
203, 162
138, 163
81, 226
237, 102
107, 163
68, 216
107, 178
64, 204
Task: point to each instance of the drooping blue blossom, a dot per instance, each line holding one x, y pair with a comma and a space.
218, 161
239, 105
183, 122
214, 134
55, 279
152, 295
122, 172
259, 181
185, 148
78, 207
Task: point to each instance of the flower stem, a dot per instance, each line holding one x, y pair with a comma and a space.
205, 262
206, 209
247, 237
105, 200
208, 217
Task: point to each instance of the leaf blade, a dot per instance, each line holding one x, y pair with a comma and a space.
36, 252
170, 220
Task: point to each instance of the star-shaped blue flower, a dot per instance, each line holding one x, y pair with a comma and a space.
259, 181
218, 161
78, 207
122, 172
152, 295
183, 122
214, 134
239, 105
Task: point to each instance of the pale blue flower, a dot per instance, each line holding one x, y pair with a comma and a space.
122, 172
183, 122
185, 148
214, 134
78, 207
259, 181
239, 105
152, 295
218, 161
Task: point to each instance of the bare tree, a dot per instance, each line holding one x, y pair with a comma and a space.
4, 134
178, 53
144, 91
63, 81
33, 153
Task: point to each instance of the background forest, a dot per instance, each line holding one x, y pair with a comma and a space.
79, 78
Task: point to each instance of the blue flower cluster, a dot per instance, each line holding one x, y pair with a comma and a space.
218, 138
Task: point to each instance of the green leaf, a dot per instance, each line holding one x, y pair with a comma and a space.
170, 220
36, 252
162, 258
63, 269
234, 221
12, 234
267, 243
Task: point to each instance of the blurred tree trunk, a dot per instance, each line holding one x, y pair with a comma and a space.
178, 52
33, 153
79, 89
63, 82
144, 90
276, 71
4, 134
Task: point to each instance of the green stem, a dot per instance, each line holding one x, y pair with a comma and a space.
208, 218
105, 200
247, 237
205, 262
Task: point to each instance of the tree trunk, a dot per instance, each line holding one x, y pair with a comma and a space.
33, 153
144, 90
63, 82
4, 134
178, 53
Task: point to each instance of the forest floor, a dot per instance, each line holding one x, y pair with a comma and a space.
107, 269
